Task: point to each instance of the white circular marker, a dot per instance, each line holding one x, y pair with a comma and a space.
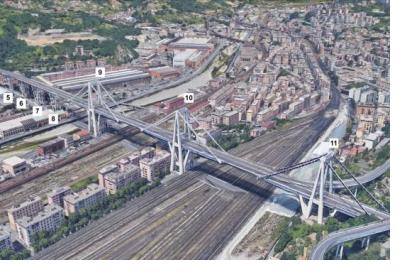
100, 72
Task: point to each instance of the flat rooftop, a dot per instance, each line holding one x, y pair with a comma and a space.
87, 192
14, 161
29, 201
48, 211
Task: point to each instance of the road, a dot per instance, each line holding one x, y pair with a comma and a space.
341, 236
368, 177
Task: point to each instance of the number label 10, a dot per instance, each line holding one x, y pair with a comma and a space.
189, 97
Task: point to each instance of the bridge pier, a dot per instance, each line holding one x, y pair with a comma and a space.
9, 82
330, 178
92, 117
54, 103
96, 122
320, 183
339, 251
366, 243
333, 213
180, 159
24, 89
39, 96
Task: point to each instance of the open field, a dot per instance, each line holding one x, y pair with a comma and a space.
44, 40
260, 238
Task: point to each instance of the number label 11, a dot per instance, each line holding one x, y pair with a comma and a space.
334, 143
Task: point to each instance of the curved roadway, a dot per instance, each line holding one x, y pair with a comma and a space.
341, 236
368, 177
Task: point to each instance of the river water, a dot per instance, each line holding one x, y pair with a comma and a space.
199, 81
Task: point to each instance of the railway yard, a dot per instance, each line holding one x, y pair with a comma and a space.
190, 216
65, 175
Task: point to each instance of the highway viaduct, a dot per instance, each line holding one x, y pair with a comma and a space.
331, 200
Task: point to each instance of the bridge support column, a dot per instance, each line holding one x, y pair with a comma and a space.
92, 119
304, 207
39, 96
23, 89
96, 97
54, 103
366, 243
323, 176
9, 82
330, 178
179, 159
320, 182
339, 251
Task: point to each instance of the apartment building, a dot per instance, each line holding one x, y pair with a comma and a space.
29, 208
49, 219
5, 240
230, 118
154, 168
56, 196
84, 199
119, 177
125, 172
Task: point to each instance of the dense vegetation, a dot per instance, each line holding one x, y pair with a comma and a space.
233, 135
8, 254
15, 54
82, 184
296, 237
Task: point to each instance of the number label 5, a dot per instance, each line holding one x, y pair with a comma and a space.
8, 98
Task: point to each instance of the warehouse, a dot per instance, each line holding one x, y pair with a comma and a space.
15, 165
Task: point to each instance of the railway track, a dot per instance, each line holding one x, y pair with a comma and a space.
85, 238
205, 225
150, 225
